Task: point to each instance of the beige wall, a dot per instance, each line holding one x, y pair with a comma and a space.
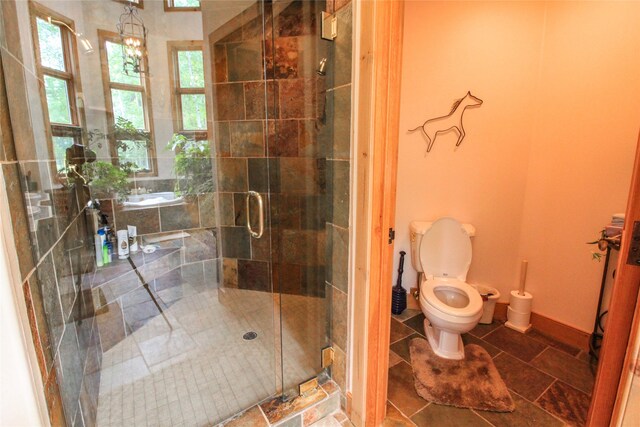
547, 158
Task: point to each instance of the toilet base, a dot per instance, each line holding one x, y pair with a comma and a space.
447, 345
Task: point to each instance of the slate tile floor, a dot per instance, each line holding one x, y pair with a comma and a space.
550, 381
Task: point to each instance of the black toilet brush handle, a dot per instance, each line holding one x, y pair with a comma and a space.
400, 269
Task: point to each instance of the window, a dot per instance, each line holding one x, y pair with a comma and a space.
187, 80
57, 68
138, 3
181, 5
128, 103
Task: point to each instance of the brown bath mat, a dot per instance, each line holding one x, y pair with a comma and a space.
473, 382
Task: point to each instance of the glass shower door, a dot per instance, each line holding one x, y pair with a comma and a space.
272, 146
211, 146
298, 147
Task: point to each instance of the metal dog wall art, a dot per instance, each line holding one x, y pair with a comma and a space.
433, 127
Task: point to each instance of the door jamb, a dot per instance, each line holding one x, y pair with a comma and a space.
379, 66
620, 319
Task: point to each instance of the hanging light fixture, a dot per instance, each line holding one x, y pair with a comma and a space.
133, 34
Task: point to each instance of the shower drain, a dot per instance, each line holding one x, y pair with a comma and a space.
250, 336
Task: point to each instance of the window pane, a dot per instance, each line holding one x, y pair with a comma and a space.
185, 3
190, 67
50, 40
60, 145
116, 66
194, 112
136, 153
57, 100
128, 105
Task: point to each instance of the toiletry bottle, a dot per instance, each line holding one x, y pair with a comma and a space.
105, 248
98, 248
123, 244
110, 250
111, 244
133, 238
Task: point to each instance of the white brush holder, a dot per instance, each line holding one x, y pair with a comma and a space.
519, 311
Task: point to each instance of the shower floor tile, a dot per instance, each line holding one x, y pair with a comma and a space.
194, 368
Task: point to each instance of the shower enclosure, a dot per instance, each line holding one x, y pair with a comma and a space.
205, 129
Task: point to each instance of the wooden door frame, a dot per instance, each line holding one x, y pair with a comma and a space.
620, 318
628, 371
378, 35
378, 38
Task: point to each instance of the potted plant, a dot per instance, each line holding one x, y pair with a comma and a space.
192, 165
105, 177
108, 180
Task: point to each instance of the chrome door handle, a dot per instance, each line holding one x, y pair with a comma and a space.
257, 195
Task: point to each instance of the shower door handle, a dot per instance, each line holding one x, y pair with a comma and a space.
257, 195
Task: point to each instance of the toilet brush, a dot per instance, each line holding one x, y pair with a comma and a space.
399, 295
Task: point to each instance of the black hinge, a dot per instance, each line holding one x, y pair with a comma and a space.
392, 235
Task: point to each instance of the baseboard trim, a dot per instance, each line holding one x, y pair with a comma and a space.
564, 333
558, 330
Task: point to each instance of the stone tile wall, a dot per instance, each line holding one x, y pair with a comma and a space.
268, 141
338, 182
49, 246
282, 129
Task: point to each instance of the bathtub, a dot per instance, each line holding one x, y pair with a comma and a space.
152, 199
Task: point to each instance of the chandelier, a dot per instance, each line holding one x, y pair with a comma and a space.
133, 34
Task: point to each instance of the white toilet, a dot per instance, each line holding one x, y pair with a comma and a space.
441, 253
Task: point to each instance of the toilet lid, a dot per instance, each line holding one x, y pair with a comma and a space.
445, 250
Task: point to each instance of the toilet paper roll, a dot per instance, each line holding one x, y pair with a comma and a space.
520, 303
517, 318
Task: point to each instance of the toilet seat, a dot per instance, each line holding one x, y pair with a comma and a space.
441, 251
430, 285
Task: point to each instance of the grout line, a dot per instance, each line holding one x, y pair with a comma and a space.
408, 318
546, 389
50, 251
539, 354
405, 337
263, 414
537, 405
490, 332
405, 415
479, 414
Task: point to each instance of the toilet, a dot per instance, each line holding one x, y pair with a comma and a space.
441, 253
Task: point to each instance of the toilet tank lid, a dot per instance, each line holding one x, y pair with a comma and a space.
420, 227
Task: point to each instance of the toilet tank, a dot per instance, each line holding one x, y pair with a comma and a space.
417, 230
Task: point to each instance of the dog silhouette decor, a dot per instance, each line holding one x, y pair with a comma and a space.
453, 121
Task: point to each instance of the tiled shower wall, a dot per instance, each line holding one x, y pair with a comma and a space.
303, 148
52, 257
338, 179
275, 150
